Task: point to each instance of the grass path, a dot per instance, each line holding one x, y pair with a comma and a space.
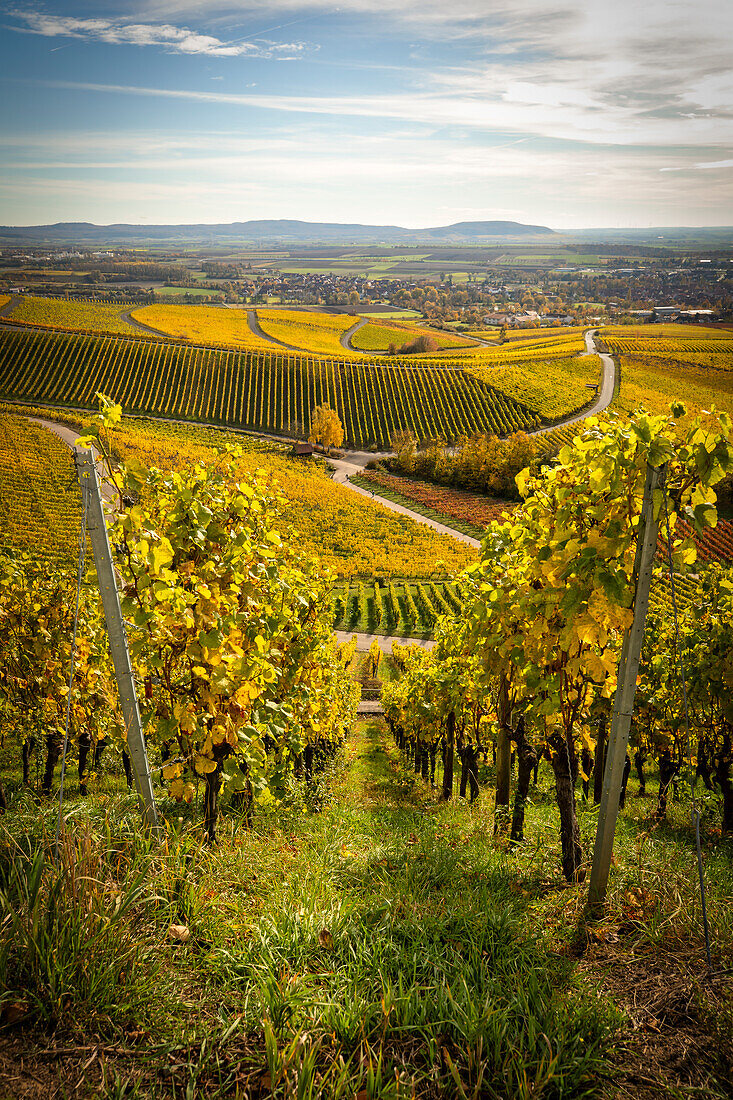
375, 948
362, 941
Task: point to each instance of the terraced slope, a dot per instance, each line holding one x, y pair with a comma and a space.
252, 389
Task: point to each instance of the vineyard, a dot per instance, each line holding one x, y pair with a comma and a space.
554, 388
65, 314
468, 512
350, 535
310, 861
529, 337
311, 332
254, 390
394, 607
654, 382
201, 325
377, 337
39, 498
319, 333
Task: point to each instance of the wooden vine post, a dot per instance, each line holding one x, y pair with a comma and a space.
97, 527
623, 704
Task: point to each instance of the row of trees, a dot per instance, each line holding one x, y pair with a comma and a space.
532, 661
479, 463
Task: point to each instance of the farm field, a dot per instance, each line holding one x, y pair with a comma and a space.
202, 324
531, 337
700, 360
668, 331
309, 331
656, 380
179, 291
255, 390
398, 607
64, 314
560, 346
352, 536
467, 512
319, 333
384, 313
274, 960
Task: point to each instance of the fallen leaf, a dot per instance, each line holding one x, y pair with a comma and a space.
13, 1012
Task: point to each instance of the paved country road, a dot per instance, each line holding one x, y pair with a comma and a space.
141, 326
355, 461
346, 337
347, 468
254, 325
605, 391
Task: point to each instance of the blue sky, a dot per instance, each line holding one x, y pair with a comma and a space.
568, 113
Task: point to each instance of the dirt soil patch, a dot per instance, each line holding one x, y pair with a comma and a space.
678, 1038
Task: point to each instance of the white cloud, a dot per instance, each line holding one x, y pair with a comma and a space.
200, 176
708, 165
463, 105
165, 35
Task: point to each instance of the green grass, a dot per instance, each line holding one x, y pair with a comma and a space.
360, 940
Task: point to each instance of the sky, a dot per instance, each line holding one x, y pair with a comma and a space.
566, 113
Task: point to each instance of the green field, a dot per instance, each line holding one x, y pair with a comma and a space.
171, 291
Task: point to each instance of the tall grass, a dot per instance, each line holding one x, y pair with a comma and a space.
68, 948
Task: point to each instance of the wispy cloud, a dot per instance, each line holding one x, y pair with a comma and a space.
562, 112
166, 177
164, 35
707, 165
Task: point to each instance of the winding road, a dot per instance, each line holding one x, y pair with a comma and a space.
254, 325
348, 467
346, 336
605, 390
353, 465
142, 327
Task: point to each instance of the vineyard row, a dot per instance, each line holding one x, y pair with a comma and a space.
391, 608
252, 389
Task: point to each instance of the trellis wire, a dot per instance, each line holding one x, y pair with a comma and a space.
681, 666
79, 576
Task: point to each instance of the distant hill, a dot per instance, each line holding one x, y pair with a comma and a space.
472, 230
264, 231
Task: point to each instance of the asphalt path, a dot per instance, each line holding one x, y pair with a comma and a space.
8, 308
69, 436
142, 327
347, 468
346, 337
254, 325
355, 462
605, 391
